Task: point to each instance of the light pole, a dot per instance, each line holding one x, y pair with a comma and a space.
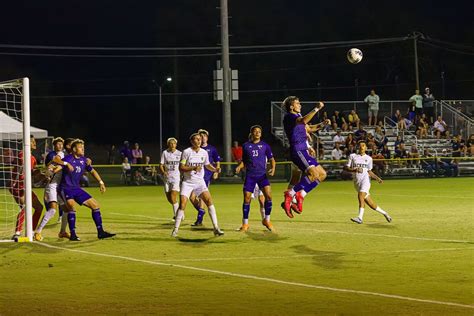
160, 106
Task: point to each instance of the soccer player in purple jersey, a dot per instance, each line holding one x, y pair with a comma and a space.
256, 153
295, 129
73, 193
215, 161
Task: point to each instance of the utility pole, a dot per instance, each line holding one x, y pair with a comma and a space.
415, 45
226, 110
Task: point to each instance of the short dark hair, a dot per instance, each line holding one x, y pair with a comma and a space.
194, 135
58, 140
254, 127
69, 141
288, 102
77, 142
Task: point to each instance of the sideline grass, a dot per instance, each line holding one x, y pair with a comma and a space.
426, 253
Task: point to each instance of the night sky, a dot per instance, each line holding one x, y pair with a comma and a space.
107, 100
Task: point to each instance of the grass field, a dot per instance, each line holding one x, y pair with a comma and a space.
316, 263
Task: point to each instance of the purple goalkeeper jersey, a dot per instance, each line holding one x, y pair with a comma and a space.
296, 133
71, 179
213, 158
255, 157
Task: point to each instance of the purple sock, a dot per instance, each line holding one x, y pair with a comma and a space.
268, 207
246, 210
302, 184
71, 219
200, 215
97, 220
311, 186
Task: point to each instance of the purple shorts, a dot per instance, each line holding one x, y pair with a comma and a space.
303, 160
207, 180
251, 181
77, 194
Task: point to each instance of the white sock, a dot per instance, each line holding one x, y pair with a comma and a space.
361, 212
245, 221
262, 212
47, 216
303, 193
64, 222
179, 217
292, 192
175, 208
267, 218
378, 209
212, 214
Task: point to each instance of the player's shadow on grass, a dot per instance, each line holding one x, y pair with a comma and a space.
265, 236
324, 259
382, 226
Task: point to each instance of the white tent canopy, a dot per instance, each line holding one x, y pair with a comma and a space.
13, 129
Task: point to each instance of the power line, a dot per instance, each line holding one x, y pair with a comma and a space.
448, 49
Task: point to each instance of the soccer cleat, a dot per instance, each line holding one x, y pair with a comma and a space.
244, 228
218, 232
37, 237
64, 235
174, 233
103, 234
356, 220
268, 225
388, 218
299, 202
196, 223
287, 204
294, 208
59, 220
16, 236
74, 238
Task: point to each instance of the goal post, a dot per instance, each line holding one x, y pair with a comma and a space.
15, 160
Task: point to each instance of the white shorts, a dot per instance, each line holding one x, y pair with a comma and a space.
171, 185
362, 186
256, 192
189, 187
51, 194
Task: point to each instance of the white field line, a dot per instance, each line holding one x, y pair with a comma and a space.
252, 277
386, 252
413, 196
329, 231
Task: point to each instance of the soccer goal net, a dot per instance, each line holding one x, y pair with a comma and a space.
15, 161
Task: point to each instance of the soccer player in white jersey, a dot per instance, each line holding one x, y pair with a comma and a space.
361, 165
51, 196
193, 160
169, 167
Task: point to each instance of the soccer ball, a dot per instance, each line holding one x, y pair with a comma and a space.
354, 55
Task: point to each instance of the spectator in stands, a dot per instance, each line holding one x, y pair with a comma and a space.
125, 151
401, 153
351, 149
470, 145
111, 155
370, 141
338, 121
447, 164
399, 120
336, 153
417, 99
338, 138
429, 163
398, 141
422, 127
150, 171
379, 164
353, 120
137, 154
236, 155
379, 137
350, 140
441, 128
320, 147
360, 134
126, 170
428, 106
371, 149
372, 101
411, 114
458, 148
324, 118
415, 155
386, 152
